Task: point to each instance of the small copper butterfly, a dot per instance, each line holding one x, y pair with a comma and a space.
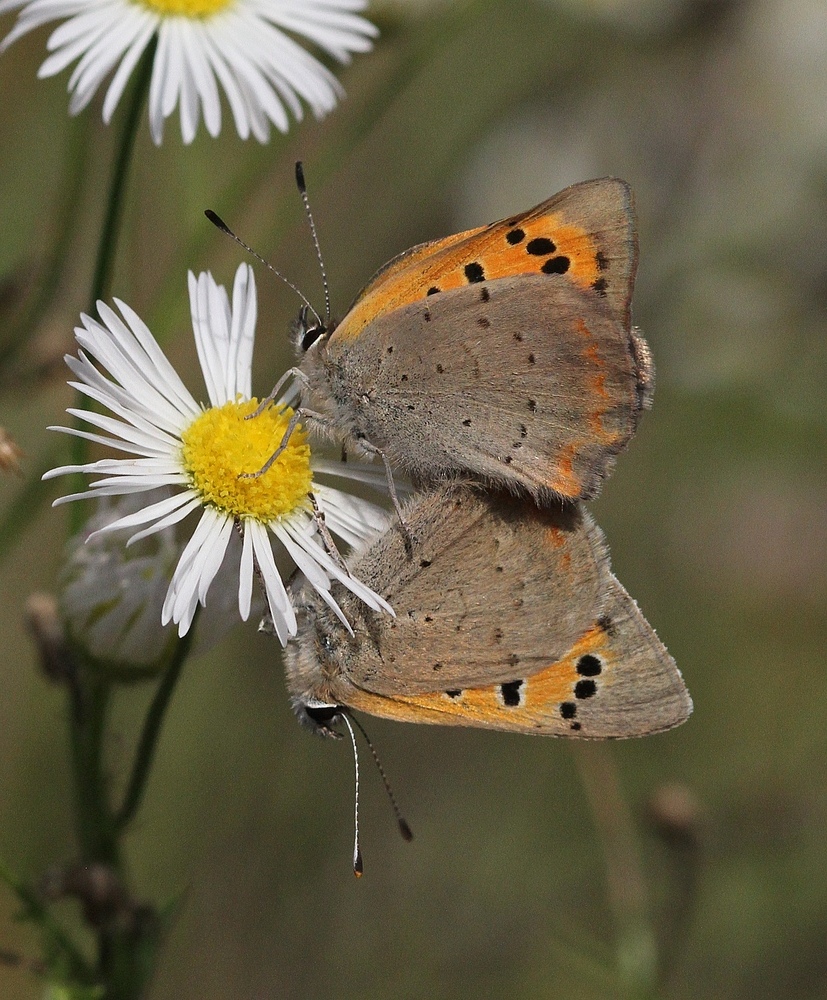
507, 617
505, 352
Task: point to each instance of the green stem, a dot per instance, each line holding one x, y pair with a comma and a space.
123, 158
148, 743
91, 697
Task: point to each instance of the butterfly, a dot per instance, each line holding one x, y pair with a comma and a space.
504, 353
507, 617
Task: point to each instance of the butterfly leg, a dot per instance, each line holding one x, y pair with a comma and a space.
294, 420
371, 449
324, 531
273, 394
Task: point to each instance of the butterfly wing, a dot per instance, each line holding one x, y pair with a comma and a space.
617, 681
513, 380
507, 617
586, 233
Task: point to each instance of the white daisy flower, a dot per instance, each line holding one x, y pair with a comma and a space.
200, 453
111, 594
243, 47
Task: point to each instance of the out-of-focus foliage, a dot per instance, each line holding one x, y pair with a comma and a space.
715, 113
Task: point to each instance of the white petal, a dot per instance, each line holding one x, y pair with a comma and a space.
202, 80
287, 529
211, 327
145, 439
108, 442
245, 575
158, 362
351, 518
169, 520
157, 86
242, 333
235, 98
127, 65
281, 609
202, 555
152, 512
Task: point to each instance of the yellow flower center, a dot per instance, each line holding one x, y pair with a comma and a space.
187, 8
220, 445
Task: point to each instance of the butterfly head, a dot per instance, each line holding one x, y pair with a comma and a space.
307, 330
310, 664
318, 716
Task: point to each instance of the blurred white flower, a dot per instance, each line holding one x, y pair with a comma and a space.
199, 454
243, 47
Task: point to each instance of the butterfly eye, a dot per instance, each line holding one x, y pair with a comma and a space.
306, 330
310, 336
321, 718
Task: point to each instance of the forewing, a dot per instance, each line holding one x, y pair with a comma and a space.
517, 379
585, 235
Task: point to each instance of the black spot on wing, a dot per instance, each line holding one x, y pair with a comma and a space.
474, 272
556, 265
589, 666
515, 236
540, 246
585, 689
511, 695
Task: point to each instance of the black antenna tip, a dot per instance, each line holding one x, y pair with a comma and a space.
217, 221
358, 867
300, 176
405, 830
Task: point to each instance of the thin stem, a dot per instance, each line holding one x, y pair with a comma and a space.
90, 700
148, 743
115, 203
635, 944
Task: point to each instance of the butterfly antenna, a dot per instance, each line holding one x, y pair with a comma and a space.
302, 186
358, 867
404, 829
219, 223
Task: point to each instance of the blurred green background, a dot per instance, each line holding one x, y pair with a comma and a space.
716, 113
